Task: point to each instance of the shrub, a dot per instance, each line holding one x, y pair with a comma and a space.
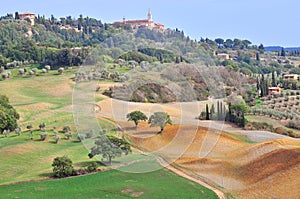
42, 126
55, 131
281, 131
18, 131
62, 167
43, 136
31, 73
68, 135
4, 76
92, 167
6, 133
292, 134
44, 70
21, 72
60, 71
66, 129
56, 138
47, 67
34, 70
89, 135
80, 137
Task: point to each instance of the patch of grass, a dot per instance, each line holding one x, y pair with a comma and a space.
24, 159
98, 99
39, 99
258, 102
242, 138
111, 184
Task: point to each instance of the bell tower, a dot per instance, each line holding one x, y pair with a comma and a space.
149, 16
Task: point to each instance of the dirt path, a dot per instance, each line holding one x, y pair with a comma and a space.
163, 163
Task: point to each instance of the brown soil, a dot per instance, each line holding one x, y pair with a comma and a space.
242, 169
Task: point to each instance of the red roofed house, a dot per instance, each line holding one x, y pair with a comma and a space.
147, 23
28, 16
292, 76
274, 90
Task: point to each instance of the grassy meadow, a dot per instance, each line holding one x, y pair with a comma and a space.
48, 98
111, 184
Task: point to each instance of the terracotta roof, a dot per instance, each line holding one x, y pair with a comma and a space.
140, 22
159, 24
137, 21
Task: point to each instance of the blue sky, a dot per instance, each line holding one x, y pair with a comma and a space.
271, 22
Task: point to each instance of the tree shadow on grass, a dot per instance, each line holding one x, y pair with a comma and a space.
46, 175
87, 163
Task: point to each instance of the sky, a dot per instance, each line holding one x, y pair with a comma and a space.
271, 22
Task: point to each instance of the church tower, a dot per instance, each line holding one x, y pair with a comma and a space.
149, 16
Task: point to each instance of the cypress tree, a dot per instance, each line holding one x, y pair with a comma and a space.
282, 52
273, 79
218, 109
221, 111
267, 87
257, 57
212, 110
230, 113
207, 112
257, 84
17, 16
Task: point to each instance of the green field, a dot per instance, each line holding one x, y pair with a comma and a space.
111, 184
48, 99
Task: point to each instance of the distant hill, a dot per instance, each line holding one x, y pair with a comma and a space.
278, 48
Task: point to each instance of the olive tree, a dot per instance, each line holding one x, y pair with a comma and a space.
47, 67
136, 117
160, 119
110, 147
60, 71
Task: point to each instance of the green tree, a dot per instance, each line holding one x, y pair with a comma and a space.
60, 71
219, 41
66, 129
207, 112
237, 114
136, 117
160, 119
62, 167
42, 126
257, 57
212, 110
282, 53
228, 43
17, 16
8, 115
273, 79
261, 48
110, 147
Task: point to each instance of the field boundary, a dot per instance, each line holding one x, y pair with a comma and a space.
178, 172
